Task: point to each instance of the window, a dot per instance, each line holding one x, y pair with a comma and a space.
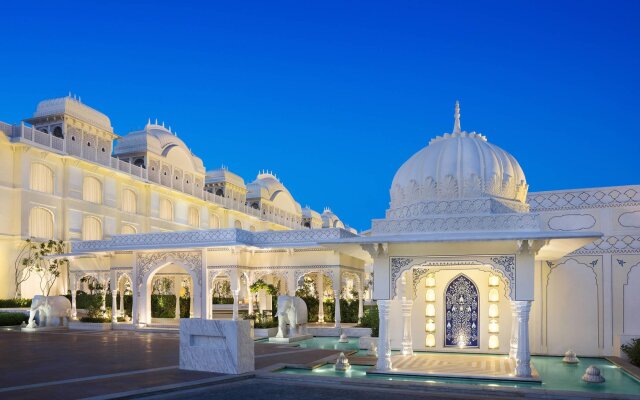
139, 162
194, 217
220, 192
57, 132
128, 229
91, 228
214, 221
237, 224
41, 178
166, 209
252, 228
129, 201
92, 190
41, 223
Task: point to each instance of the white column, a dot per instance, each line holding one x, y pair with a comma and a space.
513, 340
236, 293
114, 304
320, 288
249, 295
177, 286
360, 299
523, 356
384, 344
337, 310
407, 341
74, 310
192, 296
122, 311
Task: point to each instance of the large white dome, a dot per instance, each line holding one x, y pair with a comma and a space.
456, 166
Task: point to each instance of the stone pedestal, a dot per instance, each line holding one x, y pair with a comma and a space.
216, 346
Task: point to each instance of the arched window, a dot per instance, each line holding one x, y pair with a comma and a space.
91, 228
139, 162
214, 221
252, 228
129, 201
194, 217
219, 192
166, 209
237, 224
41, 223
41, 178
128, 229
92, 190
461, 305
57, 132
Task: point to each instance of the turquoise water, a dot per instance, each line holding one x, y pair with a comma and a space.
555, 374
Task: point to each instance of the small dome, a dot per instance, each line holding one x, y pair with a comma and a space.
224, 175
73, 107
331, 220
267, 186
459, 165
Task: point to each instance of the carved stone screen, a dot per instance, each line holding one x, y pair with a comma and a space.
461, 321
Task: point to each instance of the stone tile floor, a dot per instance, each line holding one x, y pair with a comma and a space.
78, 364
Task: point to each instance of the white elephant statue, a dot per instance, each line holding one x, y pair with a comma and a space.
292, 311
51, 310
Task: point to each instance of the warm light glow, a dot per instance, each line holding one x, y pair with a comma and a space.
494, 343
430, 281
494, 280
461, 341
431, 310
431, 340
494, 327
494, 295
493, 311
431, 326
431, 295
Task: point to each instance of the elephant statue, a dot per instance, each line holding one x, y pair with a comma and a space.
292, 311
51, 310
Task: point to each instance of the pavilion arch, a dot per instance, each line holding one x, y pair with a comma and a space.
148, 264
174, 267
631, 301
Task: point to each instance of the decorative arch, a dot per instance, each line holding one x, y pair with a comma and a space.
129, 201
91, 228
503, 265
194, 217
461, 313
166, 209
148, 263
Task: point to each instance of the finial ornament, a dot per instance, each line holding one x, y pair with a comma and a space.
456, 119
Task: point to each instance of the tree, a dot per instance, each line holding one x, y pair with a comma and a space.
21, 266
40, 258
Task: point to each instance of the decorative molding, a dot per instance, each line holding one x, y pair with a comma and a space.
487, 222
571, 222
590, 198
622, 244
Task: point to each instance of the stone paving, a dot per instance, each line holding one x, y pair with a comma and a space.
77, 364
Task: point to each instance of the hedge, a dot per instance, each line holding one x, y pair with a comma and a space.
11, 319
348, 310
15, 303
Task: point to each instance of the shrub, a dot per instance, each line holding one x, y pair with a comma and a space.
370, 320
11, 319
632, 350
262, 321
15, 303
95, 319
222, 300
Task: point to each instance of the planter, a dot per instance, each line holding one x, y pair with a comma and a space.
90, 326
264, 332
364, 343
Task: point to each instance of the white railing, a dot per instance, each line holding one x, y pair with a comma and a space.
93, 154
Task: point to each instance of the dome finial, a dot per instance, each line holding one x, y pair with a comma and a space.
456, 119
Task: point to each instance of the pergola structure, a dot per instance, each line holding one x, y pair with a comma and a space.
200, 257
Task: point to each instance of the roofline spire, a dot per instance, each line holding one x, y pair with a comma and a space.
456, 119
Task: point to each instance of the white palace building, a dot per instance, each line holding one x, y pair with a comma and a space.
465, 260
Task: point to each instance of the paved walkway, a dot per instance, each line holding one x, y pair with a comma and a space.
78, 364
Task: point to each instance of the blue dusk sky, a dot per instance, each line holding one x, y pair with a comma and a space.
335, 96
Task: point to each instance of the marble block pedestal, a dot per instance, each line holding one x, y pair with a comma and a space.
290, 339
216, 346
